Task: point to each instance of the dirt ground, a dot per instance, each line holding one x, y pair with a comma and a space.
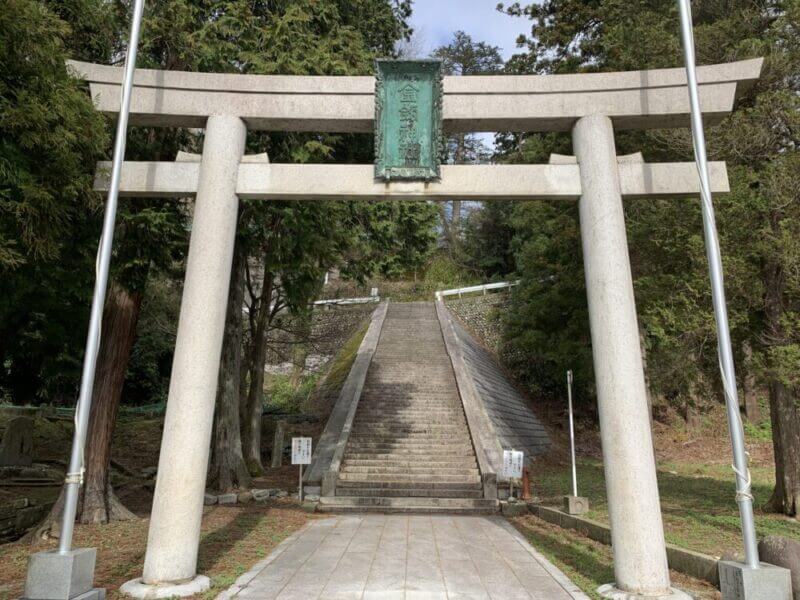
234, 538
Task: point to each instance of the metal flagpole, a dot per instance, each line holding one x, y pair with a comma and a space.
572, 435
744, 496
74, 478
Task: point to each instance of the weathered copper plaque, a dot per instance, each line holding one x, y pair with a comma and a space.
408, 119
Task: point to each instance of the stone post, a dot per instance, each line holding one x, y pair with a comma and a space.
174, 536
637, 534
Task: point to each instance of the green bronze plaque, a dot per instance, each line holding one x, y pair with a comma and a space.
408, 119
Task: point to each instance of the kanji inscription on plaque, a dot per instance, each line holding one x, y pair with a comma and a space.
408, 119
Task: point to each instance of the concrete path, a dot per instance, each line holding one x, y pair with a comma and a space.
405, 557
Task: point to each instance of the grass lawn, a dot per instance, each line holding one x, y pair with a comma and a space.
587, 563
697, 501
234, 539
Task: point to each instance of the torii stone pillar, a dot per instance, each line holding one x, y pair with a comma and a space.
637, 532
170, 566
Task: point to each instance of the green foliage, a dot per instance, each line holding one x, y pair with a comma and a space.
547, 326
757, 221
50, 139
488, 235
288, 397
50, 136
147, 380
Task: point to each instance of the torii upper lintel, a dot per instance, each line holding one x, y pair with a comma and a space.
654, 98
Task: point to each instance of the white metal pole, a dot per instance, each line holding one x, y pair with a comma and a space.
74, 478
744, 496
572, 435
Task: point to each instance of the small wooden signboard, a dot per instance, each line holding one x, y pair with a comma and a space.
408, 119
301, 455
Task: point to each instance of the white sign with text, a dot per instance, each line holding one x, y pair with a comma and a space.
301, 451
512, 464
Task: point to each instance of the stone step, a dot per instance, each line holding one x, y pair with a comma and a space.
402, 463
410, 428
407, 505
409, 492
442, 412
416, 470
420, 437
435, 486
415, 450
406, 453
374, 478
433, 442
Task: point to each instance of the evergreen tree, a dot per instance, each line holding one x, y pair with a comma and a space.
465, 56
757, 221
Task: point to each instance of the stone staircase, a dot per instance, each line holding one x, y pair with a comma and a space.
410, 448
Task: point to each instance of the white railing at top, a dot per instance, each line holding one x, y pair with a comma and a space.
341, 301
475, 288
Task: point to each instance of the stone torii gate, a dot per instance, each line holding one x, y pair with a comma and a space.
591, 106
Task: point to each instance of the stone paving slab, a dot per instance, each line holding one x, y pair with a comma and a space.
405, 557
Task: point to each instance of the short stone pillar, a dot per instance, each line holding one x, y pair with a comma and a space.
576, 505
16, 449
640, 558
174, 536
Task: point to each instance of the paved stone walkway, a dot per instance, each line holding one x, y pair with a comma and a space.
405, 557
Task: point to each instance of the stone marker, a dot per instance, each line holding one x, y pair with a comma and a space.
17, 447
783, 552
227, 498
576, 505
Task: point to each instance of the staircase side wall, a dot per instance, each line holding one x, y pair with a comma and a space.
513, 422
337, 429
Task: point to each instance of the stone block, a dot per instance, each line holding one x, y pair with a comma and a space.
576, 505
10, 509
93, 594
737, 581
261, 495
227, 498
310, 507
28, 517
783, 552
16, 448
244, 497
209, 499
54, 576
513, 509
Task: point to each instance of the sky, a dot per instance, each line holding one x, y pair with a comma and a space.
436, 20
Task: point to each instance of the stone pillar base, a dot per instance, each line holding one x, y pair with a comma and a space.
737, 581
612, 592
56, 576
136, 588
576, 505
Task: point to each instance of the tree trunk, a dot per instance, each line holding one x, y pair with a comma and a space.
228, 468
258, 357
120, 316
751, 409
301, 348
97, 501
783, 403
